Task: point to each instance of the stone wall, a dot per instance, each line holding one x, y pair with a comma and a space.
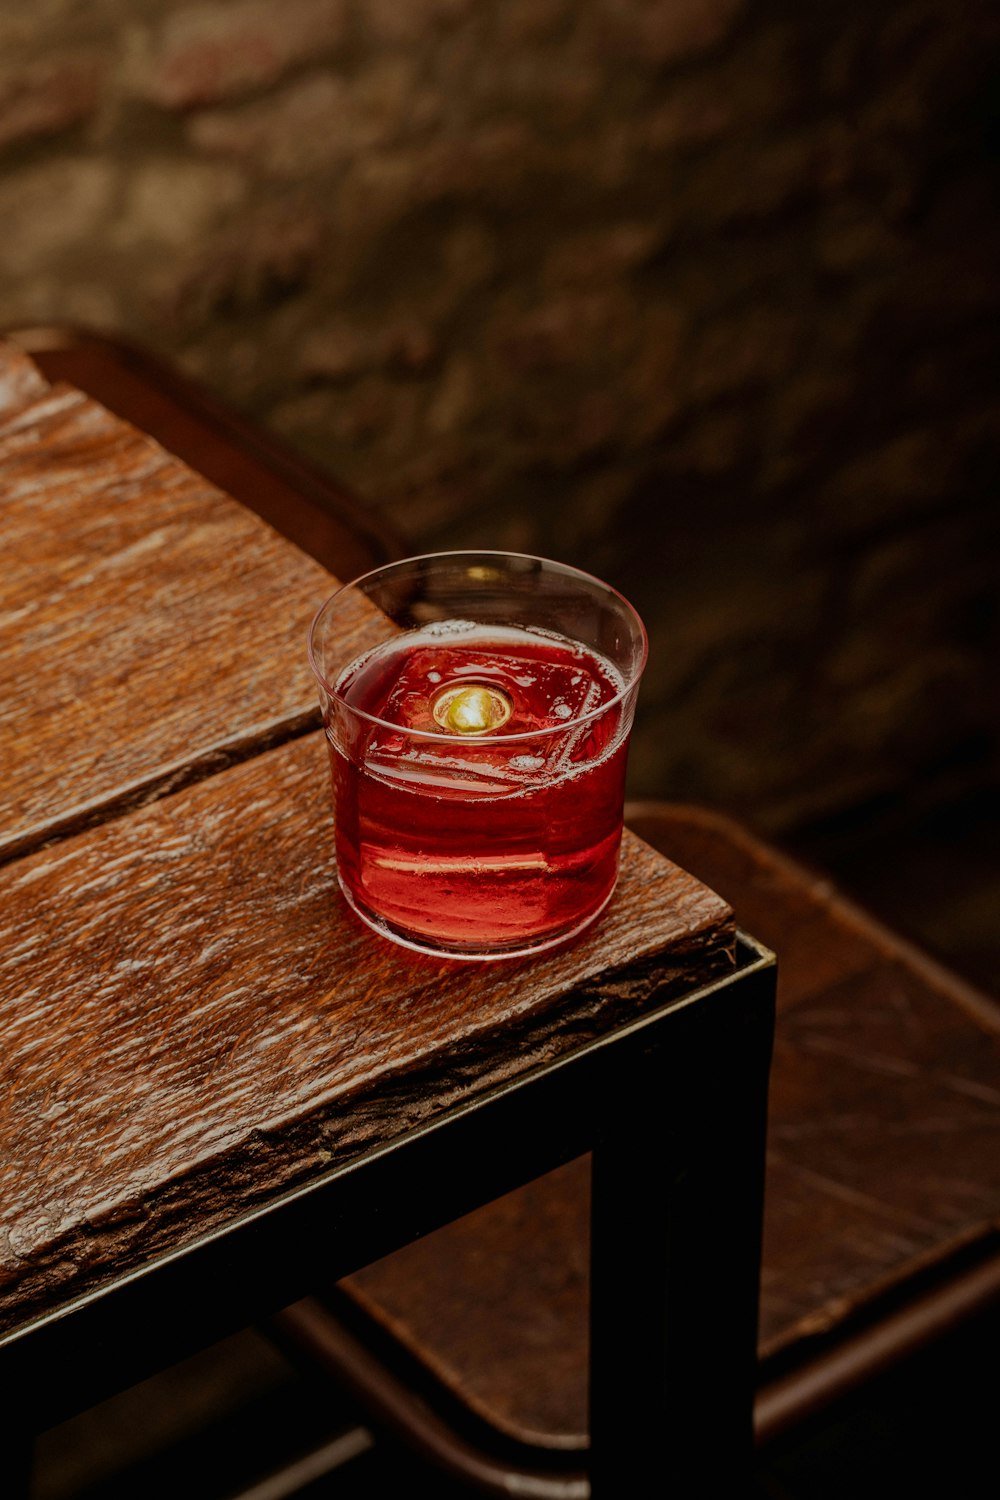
696, 293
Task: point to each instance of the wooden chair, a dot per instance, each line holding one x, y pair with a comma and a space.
883, 1193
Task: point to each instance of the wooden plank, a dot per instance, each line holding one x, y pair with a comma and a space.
191, 1019
304, 503
151, 630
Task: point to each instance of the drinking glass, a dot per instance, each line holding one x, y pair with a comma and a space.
477, 707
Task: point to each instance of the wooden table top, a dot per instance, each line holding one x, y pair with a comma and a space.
190, 1018
150, 629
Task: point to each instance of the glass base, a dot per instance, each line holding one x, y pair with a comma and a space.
420, 943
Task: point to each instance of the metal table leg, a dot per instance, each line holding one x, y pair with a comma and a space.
677, 1206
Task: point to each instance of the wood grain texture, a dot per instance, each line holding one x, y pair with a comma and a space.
304, 503
151, 630
191, 1020
20, 379
883, 1158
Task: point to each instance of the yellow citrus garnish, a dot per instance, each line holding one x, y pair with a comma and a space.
471, 708
471, 711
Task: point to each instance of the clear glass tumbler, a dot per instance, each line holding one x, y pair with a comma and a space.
478, 707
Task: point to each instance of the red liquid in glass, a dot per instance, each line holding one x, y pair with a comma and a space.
485, 843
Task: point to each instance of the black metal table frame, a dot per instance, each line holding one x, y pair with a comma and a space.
672, 1104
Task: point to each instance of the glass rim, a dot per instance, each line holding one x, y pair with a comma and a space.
522, 736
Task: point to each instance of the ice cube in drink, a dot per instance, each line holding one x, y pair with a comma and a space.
469, 836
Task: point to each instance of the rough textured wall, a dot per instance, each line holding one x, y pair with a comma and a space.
697, 293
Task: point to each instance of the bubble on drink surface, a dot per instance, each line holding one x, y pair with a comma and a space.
527, 762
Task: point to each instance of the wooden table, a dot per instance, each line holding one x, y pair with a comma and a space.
217, 1085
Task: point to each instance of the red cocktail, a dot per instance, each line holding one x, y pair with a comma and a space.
479, 759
